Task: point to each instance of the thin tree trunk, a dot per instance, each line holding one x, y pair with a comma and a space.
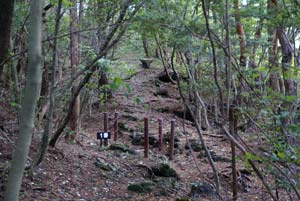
6, 16
287, 56
29, 103
48, 128
228, 58
74, 120
241, 35
273, 50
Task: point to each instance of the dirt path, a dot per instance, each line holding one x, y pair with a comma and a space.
69, 171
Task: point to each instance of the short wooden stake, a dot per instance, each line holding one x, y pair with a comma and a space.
116, 126
172, 138
146, 138
233, 132
105, 127
160, 135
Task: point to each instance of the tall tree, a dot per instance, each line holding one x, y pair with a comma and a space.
74, 120
31, 95
6, 15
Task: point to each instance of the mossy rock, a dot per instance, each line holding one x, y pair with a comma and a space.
122, 147
130, 117
183, 199
164, 170
176, 140
215, 157
123, 126
138, 139
196, 145
143, 187
104, 166
200, 189
165, 185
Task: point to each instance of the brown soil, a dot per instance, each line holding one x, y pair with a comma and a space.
68, 171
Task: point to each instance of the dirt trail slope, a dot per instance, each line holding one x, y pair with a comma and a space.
72, 172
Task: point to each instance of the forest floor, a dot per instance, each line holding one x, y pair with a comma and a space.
82, 171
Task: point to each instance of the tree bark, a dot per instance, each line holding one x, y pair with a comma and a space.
48, 127
74, 120
273, 50
241, 35
29, 103
287, 56
6, 15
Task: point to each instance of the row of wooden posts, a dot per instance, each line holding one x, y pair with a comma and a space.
146, 134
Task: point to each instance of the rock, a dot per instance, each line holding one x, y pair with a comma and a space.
200, 189
123, 126
162, 76
195, 145
104, 166
162, 92
165, 184
122, 147
143, 187
215, 157
164, 170
183, 199
176, 140
130, 117
138, 139
146, 62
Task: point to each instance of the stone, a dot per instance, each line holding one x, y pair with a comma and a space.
162, 76
165, 184
176, 140
104, 166
164, 170
143, 187
146, 62
138, 139
122, 147
123, 126
214, 156
200, 189
196, 145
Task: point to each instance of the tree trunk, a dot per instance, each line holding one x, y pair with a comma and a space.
241, 36
48, 127
29, 103
74, 120
6, 15
287, 56
273, 50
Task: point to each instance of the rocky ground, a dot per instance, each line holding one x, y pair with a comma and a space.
120, 172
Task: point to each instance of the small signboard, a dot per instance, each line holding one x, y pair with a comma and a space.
103, 135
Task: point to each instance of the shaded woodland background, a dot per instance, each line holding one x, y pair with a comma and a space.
227, 71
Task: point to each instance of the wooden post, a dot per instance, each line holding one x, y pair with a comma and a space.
160, 135
146, 138
116, 123
233, 130
172, 138
105, 127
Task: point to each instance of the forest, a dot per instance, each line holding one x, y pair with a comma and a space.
182, 100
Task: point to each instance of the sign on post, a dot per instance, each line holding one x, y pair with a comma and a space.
103, 135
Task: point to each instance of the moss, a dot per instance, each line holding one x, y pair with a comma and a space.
121, 147
182, 199
164, 170
202, 189
143, 187
195, 145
